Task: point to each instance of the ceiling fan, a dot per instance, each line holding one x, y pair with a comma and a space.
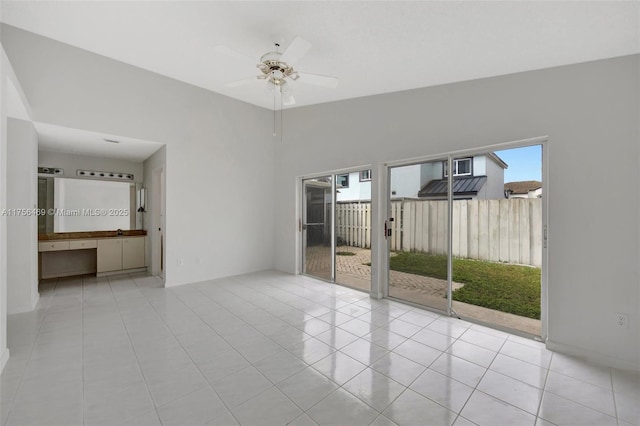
276, 69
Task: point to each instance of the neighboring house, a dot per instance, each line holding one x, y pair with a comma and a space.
477, 177
354, 186
523, 189
480, 177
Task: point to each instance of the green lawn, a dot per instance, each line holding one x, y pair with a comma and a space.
507, 288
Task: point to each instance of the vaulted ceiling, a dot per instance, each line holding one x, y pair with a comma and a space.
372, 47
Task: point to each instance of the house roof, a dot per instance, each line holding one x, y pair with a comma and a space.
523, 186
461, 186
498, 160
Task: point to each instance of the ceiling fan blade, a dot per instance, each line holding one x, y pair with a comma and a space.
242, 82
296, 50
319, 80
224, 50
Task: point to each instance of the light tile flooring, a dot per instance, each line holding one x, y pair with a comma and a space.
274, 349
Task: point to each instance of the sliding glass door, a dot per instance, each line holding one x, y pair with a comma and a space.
498, 238
336, 228
418, 234
465, 236
317, 227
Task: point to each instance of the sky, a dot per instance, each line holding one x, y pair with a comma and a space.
524, 163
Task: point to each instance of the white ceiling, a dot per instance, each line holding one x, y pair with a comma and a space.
75, 141
373, 47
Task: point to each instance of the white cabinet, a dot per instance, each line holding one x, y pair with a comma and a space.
120, 254
133, 254
53, 245
109, 255
82, 244
102, 255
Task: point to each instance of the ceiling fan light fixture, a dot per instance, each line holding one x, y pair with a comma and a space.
275, 69
270, 57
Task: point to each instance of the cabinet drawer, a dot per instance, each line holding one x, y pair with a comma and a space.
53, 245
82, 244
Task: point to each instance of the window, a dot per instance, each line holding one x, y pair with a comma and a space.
461, 167
365, 175
342, 181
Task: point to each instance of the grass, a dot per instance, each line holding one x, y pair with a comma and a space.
507, 288
345, 253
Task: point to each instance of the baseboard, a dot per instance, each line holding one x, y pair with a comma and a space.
12, 310
35, 300
593, 357
47, 276
4, 359
123, 271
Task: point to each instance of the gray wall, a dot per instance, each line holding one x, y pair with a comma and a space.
219, 151
22, 231
495, 180
590, 112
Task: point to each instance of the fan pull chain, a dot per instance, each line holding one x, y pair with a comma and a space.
274, 113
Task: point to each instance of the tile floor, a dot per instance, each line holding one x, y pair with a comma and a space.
275, 349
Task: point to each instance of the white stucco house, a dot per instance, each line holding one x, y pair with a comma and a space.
477, 177
354, 186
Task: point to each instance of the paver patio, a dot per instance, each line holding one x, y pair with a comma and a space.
353, 271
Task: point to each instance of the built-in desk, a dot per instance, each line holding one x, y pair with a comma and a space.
100, 253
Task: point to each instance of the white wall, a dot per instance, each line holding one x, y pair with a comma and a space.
480, 165
22, 231
72, 162
219, 151
4, 351
14, 104
152, 166
590, 111
405, 181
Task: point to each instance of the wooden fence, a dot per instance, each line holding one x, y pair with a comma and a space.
353, 224
496, 230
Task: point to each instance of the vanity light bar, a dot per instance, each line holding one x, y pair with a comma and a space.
50, 171
106, 175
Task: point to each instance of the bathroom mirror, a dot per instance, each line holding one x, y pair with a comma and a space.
80, 205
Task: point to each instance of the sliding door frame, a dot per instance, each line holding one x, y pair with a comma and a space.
543, 141
300, 196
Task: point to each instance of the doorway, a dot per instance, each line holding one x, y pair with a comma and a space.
336, 228
470, 243
318, 246
157, 223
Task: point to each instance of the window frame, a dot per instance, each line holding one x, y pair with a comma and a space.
346, 175
455, 162
365, 179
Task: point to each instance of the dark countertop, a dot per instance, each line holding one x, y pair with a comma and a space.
90, 234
